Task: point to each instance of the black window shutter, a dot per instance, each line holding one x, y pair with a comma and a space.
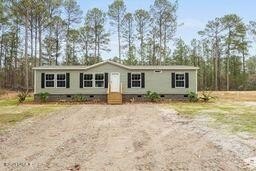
42, 80
67, 80
186, 80
81, 80
106, 80
142, 80
129, 80
173, 80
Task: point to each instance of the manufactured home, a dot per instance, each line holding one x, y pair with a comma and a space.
114, 82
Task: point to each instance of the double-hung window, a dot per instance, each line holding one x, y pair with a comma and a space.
136, 80
61, 80
49, 80
99, 80
180, 80
88, 80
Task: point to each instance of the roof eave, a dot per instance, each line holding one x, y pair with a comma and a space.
77, 69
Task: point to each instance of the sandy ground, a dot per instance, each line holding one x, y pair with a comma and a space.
128, 137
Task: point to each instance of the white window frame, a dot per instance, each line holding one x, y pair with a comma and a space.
61, 80
136, 80
180, 80
88, 80
94, 78
45, 80
55, 80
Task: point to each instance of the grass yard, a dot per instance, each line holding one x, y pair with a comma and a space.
235, 95
234, 110
12, 112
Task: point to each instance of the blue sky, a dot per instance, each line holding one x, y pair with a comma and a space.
194, 14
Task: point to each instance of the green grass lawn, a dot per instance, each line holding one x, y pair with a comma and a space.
236, 116
12, 112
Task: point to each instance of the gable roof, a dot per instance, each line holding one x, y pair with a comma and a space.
129, 67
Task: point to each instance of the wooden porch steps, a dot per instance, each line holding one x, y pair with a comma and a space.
114, 98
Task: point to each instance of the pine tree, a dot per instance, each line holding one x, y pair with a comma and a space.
72, 16
142, 19
128, 36
213, 31
164, 17
116, 12
95, 21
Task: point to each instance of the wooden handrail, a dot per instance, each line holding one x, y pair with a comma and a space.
108, 91
121, 88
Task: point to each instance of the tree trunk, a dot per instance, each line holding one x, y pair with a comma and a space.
73, 53
5, 67
141, 46
16, 56
26, 52
1, 50
216, 64
40, 42
95, 43
219, 68
243, 56
16, 52
86, 52
98, 48
10, 61
130, 36
160, 42
35, 55
154, 50
31, 47
228, 57
67, 42
57, 48
31, 38
165, 43
216, 73
119, 39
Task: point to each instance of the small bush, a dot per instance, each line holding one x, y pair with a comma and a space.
22, 96
206, 96
193, 97
43, 96
132, 100
79, 98
152, 96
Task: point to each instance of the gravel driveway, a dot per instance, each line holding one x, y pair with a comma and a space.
102, 137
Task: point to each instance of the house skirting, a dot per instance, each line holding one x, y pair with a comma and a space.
103, 97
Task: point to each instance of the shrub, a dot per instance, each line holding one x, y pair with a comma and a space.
206, 96
152, 96
79, 98
43, 96
22, 96
192, 96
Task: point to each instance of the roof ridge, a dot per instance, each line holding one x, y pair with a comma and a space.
130, 67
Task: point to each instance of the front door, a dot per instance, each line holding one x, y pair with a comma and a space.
115, 82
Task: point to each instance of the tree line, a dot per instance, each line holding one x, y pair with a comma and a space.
42, 32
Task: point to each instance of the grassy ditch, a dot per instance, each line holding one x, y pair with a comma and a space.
12, 112
237, 116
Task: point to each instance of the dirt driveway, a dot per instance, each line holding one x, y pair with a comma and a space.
102, 137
